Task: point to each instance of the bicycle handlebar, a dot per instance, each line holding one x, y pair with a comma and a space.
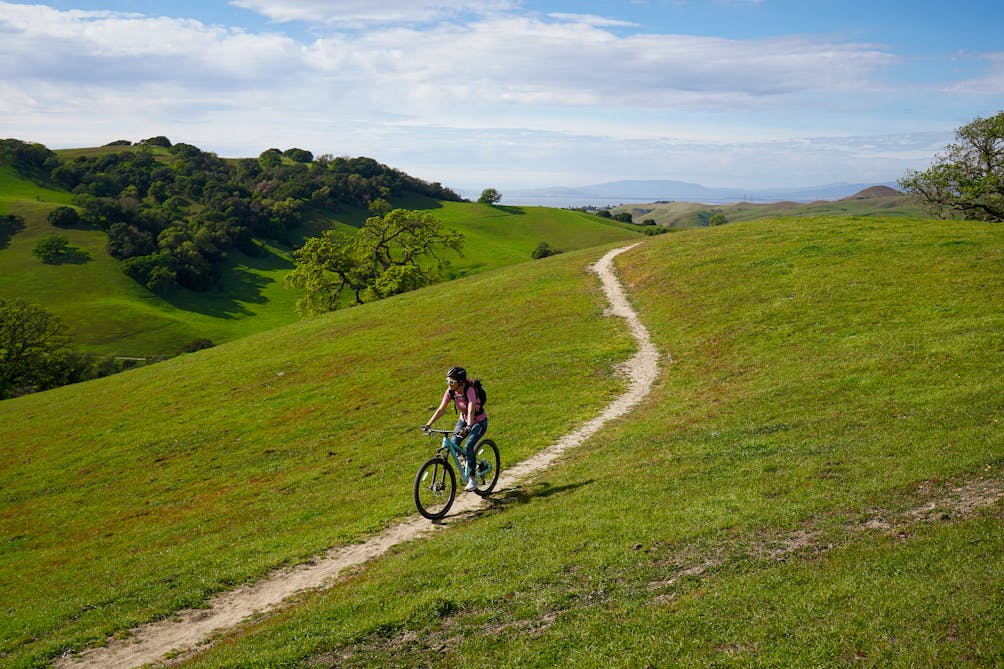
428, 430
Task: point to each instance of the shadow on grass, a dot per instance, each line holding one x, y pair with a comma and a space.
10, 225
519, 495
239, 286
515, 211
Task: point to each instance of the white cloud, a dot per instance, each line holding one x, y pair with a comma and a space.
103, 49
527, 61
366, 12
990, 84
478, 90
592, 20
508, 61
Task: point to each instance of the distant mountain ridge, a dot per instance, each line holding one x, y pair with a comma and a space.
871, 201
630, 191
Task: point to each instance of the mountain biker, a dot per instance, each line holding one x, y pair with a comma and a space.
472, 422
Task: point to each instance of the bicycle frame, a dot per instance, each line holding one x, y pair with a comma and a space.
455, 453
435, 485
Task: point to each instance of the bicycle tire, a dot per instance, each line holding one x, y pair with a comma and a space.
488, 452
435, 488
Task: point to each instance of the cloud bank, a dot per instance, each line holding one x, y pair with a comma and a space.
475, 90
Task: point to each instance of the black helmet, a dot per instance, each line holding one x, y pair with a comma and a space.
458, 373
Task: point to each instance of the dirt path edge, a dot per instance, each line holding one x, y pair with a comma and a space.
188, 629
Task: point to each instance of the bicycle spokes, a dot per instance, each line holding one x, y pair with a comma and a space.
435, 488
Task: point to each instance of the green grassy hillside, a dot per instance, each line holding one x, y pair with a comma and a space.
880, 202
109, 313
124, 499
785, 497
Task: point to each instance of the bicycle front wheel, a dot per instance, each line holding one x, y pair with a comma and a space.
489, 465
435, 488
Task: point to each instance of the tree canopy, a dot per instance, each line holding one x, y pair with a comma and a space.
32, 347
56, 249
490, 196
173, 212
393, 253
968, 178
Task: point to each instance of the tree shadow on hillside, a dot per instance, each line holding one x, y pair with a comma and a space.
10, 225
415, 202
238, 287
515, 211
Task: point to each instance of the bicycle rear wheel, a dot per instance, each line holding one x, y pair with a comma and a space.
489, 465
435, 488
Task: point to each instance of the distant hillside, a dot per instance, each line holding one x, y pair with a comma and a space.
173, 212
638, 191
871, 201
875, 192
196, 216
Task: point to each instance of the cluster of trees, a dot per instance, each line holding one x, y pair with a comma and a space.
649, 225
31, 159
172, 218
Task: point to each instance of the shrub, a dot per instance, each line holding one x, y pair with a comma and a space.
64, 217
53, 250
544, 250
198, 344
159, 140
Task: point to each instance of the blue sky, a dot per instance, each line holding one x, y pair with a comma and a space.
512, 94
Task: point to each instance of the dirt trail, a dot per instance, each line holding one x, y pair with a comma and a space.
187, 629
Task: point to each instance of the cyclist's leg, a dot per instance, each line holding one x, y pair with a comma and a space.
461, 423
470, 446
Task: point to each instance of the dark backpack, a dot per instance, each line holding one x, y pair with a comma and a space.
479, 390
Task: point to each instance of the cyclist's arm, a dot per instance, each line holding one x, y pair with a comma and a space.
471, 412
439, 411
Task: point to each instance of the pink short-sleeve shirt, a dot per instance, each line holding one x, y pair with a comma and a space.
463, 400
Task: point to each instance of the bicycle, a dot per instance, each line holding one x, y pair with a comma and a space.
436, 482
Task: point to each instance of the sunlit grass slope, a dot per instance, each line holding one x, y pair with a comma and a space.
783, 499
496, 236
109, 313
689, 214
125, 499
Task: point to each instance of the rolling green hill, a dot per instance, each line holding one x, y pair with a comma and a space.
109, 313
878, 201
811, 483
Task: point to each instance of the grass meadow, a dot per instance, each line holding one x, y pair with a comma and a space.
124, 499
823, 380
786, 496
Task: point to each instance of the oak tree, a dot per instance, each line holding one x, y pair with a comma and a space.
394, 253
968, 178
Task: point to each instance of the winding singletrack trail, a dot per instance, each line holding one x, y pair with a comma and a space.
151, 643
